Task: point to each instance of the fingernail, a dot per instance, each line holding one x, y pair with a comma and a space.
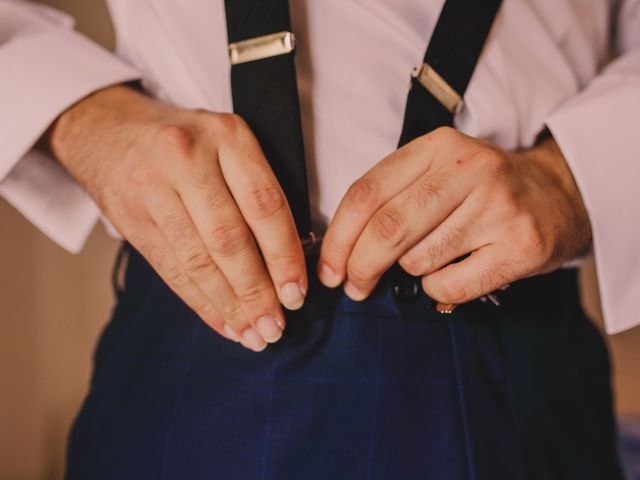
253, 341
269, 329
328, 276
291, 296
353, 292
445, 307
230, 333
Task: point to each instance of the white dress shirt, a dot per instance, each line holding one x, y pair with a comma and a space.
546, 62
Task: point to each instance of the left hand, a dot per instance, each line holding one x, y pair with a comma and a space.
446, 195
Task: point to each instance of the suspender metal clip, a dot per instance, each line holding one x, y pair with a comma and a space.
311, 244
439, 88
259, 48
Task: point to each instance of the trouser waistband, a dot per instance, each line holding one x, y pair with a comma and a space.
538, 293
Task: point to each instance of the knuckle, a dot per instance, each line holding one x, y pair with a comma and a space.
440, 134
533, 243
150, 249
176, 277
444, 242
215, 199
425, 190
362, 194
287, 258
538, 249
523, 229
206, 178
229, 240
388, 227
491, 161
407, 153
174, 222
178, 228
357, 273
230, 125
177, 139
234, 315
265, 202
205, 308
151, 252
199, 264
252, 293
507, 201
444, 132
145, 244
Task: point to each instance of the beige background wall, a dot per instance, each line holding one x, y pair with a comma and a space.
53, 305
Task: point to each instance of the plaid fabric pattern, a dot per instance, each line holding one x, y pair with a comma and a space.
371, 390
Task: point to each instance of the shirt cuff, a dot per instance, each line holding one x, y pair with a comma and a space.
40, 189
597, 131
43, 74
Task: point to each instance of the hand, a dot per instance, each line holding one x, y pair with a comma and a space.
192, 191
444, 196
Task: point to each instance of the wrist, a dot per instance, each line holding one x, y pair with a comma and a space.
99, 117
547, 171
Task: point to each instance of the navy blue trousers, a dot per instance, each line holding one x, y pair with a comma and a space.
371, 390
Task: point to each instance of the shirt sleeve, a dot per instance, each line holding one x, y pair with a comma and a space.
46, 67
598, 131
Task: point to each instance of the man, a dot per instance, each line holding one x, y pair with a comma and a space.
364, 381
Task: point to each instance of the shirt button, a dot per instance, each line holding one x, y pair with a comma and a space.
405, 288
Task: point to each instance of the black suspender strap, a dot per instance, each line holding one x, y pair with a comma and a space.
265, 93
438, 86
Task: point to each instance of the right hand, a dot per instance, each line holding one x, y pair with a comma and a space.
192, 191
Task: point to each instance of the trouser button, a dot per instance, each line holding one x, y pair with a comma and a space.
405, 287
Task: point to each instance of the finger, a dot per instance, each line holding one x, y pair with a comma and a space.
362, 199
398, 225
230, 244
265, 209
173, 220
152, 245
389, 177
460, 233
484, 271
